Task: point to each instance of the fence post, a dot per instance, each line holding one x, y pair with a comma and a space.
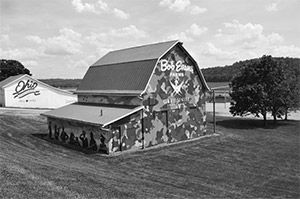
214, 111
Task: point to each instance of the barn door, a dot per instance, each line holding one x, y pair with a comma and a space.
161, 118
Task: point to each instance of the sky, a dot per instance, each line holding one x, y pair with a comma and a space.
62, 38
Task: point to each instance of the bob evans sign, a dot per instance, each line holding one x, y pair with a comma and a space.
25, 88
176, 78
178, 66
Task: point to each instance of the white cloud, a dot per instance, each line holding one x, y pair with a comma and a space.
180, 36
187, 35
30, 63
120, 14
175, 5
27, 56
197, 10
127, 33
98, 8
4, 39
84, 7
83, 63
196, 30
20, 54
247, 35
285, 51
67, 43
272, 7
218, 53
247, 40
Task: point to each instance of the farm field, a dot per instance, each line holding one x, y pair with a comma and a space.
245, 160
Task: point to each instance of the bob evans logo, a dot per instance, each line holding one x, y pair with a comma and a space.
177, 72
25, 88
179, 66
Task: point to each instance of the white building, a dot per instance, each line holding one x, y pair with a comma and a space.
23, 91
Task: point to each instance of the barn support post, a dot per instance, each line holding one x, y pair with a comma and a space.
214, 111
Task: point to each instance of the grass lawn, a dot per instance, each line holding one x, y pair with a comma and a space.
244, 161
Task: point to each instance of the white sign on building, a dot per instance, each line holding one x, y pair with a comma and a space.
23, 91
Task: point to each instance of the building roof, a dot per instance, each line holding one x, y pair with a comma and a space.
129, 78
138, 53
125, 71
91, 114
10, 79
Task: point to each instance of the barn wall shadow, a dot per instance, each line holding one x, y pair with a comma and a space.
76, 148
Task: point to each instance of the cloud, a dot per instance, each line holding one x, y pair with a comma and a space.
247, 35
175, 5
27, 56
67, 43
98, 7
273, 7
182, 5
187, 36
120, 14
180, 36
196, 30
218, 53
197, 10
285, 51
130, 32
247, 40
20, 53
4, 39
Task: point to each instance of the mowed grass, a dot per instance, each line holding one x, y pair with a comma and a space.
244, 161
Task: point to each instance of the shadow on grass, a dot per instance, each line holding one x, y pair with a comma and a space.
76, 148
243, 123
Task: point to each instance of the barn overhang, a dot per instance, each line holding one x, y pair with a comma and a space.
97, 115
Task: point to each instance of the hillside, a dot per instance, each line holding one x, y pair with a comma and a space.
62, 83
244, 161
226, 73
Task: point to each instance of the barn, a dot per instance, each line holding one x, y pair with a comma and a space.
23, 91
135, 98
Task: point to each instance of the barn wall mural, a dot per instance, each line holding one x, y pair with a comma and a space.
174, 101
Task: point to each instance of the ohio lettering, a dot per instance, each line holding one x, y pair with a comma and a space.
25, 88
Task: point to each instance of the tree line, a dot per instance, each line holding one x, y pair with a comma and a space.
226, 73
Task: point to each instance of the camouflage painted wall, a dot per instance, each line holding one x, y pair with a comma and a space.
174, 101
79, 134
127, 133
100, 99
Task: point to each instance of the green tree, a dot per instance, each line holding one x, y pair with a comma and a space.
292, 92
259, 88
10, 68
